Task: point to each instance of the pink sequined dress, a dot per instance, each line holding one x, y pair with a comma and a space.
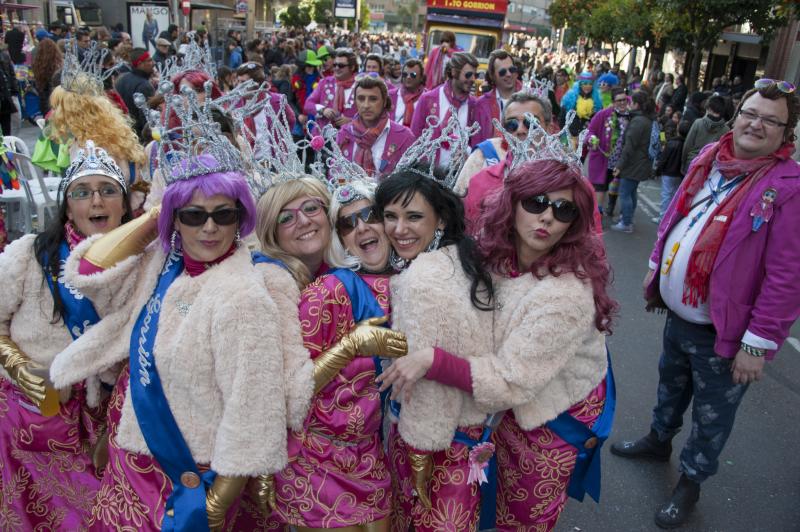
338, 474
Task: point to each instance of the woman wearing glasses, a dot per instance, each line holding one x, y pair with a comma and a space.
338, 474
47, 475
442, 299
547, 352
211, 379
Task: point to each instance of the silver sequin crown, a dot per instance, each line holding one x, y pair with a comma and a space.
421, 156
540, 145
196, 58
91, 160
84, 76
341, 172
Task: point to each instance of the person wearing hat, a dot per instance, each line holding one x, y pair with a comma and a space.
584, 99
162, 51
304, 81
325, 54
45, 432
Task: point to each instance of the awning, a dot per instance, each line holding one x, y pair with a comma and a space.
209, 5
4, 5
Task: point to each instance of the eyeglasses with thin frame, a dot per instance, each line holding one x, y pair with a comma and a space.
194, 217
783, 86
106, 192
503, 71
347, 224
309, 208
563, 210
751, 117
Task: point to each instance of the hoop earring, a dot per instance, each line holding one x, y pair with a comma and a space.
437, 238
173, 240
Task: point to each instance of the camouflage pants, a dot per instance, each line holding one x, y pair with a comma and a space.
690, 372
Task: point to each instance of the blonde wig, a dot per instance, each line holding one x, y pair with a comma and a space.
81, 116
268, 209
367, 191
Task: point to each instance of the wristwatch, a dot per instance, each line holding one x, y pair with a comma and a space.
753, 351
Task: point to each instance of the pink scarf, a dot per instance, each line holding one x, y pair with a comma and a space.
72, 235
409, 99
338, 99
365, 138
455, 101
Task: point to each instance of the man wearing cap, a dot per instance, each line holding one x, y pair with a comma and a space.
304, 81
325, 54
162, 51
137, 80
372, 140
332, 101
405, 97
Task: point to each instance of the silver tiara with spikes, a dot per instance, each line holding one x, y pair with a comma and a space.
196, 58
86, 75
91, 160
537, 87
423, 153
540, 145
274, 154
195, 134
341, 172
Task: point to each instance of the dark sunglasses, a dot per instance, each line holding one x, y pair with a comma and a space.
512, 125
783, 86
503, 71
469, 75
199, 217
563, 210
346, 224
412, 75
341, 65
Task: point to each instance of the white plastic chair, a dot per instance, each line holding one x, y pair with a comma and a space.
43, 199
17, 145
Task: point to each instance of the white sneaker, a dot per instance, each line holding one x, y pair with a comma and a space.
656, 219
622, 228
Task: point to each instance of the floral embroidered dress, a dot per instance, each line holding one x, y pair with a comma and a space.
338, 474
47, 480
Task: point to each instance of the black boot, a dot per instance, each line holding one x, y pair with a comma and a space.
684, 497
647, 447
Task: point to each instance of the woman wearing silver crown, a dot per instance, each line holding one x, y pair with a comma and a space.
212, 370
544, 375
46, 434
338, 475
444, 299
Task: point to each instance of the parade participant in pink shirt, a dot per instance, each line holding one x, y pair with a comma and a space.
453, 95
332, 102
405, 98
435, 68
502, 76
372, 140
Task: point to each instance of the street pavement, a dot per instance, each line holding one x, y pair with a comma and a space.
757, 487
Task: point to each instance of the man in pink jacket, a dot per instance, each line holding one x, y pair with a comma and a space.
332, 101
503, 77
725, 267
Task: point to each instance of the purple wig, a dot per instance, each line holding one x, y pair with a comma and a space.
228, 184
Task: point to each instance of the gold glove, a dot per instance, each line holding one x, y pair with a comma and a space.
367, 338
220, 496
264, 492
21, 370
124, 241
370, 339
421, 469
100, 452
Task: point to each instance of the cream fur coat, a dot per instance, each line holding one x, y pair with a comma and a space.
431, 305
26, 311
230, 356
549, 355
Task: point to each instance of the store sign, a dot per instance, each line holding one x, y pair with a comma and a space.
484, 6
146, 22
344, 8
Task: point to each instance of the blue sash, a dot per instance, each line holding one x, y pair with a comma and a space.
586, 476
365, 306
79, 313
259, 258
489, 153
160, 431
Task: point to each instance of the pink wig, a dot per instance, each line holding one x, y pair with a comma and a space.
579, 251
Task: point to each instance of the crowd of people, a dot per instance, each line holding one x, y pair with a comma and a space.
329, 285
